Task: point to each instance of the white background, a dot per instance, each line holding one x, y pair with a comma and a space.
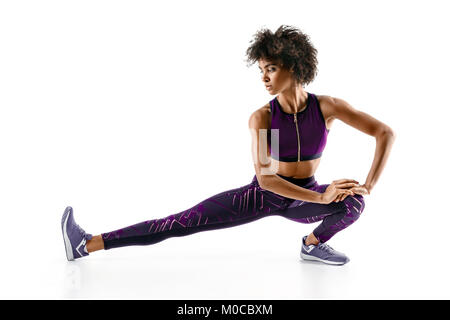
134, 110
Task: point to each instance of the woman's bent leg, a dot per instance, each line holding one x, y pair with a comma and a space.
335, 216
226, 209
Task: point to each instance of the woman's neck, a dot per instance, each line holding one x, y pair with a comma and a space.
293, 100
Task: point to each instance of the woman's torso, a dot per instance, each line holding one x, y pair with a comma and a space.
301, 169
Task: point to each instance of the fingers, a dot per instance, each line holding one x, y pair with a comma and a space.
345, 181
360, 191
339, 198
344, 195
347, 185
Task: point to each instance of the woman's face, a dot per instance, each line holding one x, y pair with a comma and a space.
275, 78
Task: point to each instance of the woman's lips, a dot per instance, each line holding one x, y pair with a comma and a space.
268, 87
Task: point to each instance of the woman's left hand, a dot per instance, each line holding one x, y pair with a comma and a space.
360, 189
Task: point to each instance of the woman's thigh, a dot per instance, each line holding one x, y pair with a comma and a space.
309, 212
248, 202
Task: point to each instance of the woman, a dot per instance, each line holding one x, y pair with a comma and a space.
294, 128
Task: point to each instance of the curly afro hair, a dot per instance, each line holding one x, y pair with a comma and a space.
288, 47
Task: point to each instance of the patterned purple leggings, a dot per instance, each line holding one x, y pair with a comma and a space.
239, 206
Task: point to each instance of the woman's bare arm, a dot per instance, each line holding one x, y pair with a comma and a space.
287, 189
384, 135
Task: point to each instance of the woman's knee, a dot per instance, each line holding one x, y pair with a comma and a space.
355, 205
359, 202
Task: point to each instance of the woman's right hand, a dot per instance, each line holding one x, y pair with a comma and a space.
337, 188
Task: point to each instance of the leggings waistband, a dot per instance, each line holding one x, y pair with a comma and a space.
303, 182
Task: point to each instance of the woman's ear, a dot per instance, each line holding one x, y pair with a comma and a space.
291, 70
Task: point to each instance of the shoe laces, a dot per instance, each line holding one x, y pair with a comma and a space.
83, 233
326, 247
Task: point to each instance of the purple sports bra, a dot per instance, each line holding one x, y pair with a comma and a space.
302, 136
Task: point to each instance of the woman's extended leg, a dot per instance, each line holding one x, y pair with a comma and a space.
226, 209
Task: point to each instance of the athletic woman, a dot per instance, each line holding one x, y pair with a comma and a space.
289, 135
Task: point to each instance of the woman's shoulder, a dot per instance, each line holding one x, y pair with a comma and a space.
324, 98
261, 116
326, 104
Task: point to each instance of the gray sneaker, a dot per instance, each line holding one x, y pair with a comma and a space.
323, 253
75, 238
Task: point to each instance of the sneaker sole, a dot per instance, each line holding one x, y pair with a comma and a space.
312, 258
68, 246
